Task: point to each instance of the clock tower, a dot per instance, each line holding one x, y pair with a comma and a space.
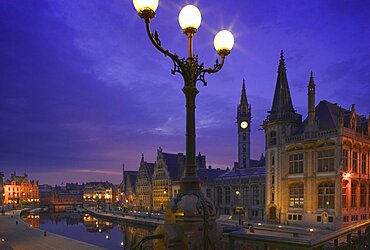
244, 130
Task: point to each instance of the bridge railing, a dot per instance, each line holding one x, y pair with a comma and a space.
352, 237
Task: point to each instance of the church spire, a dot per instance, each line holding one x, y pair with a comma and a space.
282, 101
243, 98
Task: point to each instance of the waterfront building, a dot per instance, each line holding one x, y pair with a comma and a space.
20, 190
143, 197
2, 194
95, 192
130, 188
317, 169
241, 190
167, 169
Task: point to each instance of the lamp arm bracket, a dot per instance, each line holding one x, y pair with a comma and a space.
154, 38
202, 71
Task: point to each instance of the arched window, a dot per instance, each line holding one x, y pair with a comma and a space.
296, 196
326, 195
273, 160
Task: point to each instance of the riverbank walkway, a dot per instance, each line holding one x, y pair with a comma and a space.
145, 220
16, 234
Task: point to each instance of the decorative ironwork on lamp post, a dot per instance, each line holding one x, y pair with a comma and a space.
190, 69
186, 209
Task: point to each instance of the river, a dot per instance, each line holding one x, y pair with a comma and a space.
87, 228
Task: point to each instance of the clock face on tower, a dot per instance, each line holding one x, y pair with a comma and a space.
244, 124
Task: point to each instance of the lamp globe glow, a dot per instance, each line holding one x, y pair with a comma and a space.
190, 18
141, 5
224, 42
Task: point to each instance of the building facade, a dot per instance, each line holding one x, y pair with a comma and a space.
143, 197
2, 194
317, 170
168, 170
96, 192
20, 190
241, 190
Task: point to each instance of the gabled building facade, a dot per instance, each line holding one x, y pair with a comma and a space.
168, 169
127, 188
317, 170
143, 197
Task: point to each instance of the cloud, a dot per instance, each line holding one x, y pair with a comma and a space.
97, 171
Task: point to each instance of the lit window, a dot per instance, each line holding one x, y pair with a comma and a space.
326, 195
296, 197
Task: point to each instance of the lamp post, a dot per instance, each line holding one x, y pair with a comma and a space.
191, 71
239, 208
189, 204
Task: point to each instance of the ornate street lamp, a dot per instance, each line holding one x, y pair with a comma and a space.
190, 69
192, 72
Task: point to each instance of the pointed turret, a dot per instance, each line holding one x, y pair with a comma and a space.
243, 98
311, 103
282, 100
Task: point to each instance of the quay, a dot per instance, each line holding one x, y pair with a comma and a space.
150, 221
17, 235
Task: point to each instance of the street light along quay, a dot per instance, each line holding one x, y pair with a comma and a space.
196, 210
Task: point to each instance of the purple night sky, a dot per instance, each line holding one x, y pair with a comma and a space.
83, 90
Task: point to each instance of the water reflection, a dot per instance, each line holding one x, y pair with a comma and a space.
87, 228
33, 220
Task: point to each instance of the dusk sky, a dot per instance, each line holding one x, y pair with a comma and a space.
83, 90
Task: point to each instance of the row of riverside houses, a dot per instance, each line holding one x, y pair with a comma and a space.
155, 184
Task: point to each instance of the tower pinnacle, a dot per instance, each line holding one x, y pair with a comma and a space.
282, 101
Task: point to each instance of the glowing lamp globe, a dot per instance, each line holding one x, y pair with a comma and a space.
224, 42
141, 5
190, 18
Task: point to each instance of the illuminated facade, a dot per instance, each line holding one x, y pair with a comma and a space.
317, 170
20, 190
2, 194
95, 192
